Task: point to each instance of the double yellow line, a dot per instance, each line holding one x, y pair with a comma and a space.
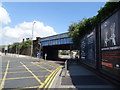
49, 81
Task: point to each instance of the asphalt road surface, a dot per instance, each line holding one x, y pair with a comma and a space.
24, 72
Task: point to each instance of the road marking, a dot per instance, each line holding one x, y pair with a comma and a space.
41, 86
53, 80
32, 87
46, 86
48, 64
43, 67
48, 78
50, 82
25, 71
23, 77
32, 73
4, 78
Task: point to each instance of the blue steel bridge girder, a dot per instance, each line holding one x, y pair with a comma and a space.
59, 39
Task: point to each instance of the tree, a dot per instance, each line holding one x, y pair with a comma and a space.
78, 30
27, 44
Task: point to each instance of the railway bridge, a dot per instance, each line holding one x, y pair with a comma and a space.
51, 45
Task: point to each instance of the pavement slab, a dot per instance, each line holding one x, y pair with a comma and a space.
78, 77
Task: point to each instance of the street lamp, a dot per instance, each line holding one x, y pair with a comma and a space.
32, 38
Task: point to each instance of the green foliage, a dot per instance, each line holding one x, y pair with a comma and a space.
10, 46
107, 9
80, 29
14, 45
27, 44
21, 45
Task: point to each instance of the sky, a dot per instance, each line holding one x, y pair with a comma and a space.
51, 18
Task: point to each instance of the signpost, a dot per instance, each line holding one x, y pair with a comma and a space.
38, 54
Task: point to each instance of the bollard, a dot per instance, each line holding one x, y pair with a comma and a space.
45, 56
66, 68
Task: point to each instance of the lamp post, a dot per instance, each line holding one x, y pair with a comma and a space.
39, 50
32, 39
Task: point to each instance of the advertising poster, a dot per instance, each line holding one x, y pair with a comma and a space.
83, 49
90, 54
110, 44
88, 49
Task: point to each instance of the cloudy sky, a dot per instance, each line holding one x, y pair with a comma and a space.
17, 19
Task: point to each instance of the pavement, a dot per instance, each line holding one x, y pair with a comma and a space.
78, 77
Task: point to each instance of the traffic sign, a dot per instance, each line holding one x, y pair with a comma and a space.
38, 54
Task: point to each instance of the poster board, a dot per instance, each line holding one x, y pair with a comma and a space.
110, 45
